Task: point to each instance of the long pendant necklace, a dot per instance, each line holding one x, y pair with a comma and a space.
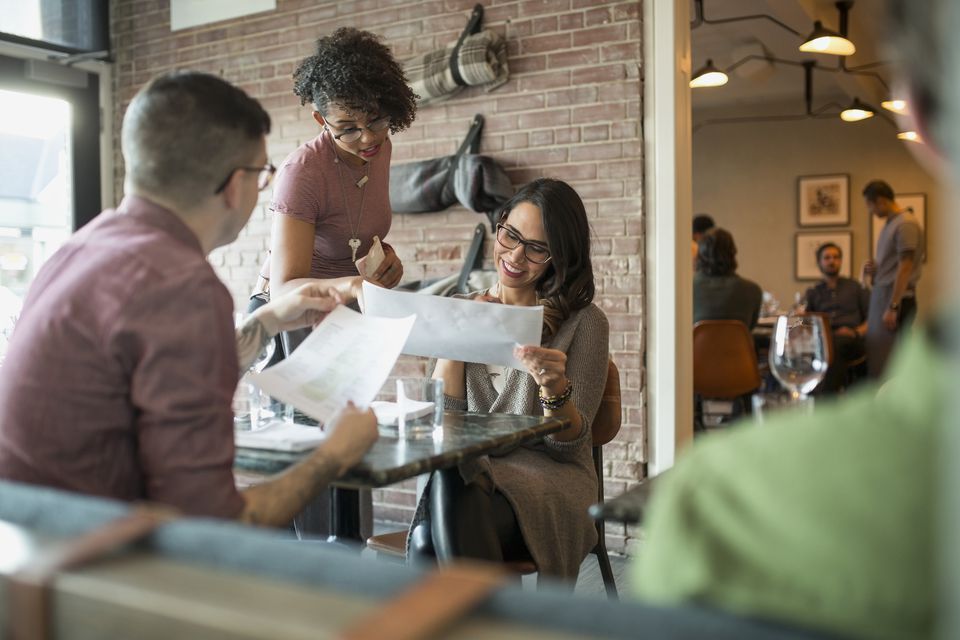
354, 241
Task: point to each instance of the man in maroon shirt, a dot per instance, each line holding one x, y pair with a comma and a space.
119, 378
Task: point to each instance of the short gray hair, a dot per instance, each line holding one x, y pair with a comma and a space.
184, 132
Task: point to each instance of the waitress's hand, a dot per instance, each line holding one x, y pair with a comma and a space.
390, 271
547, 366
305, 306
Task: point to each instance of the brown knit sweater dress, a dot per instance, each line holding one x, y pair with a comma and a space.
550, 484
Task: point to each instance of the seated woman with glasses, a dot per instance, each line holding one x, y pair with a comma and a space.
530, 502
331, 196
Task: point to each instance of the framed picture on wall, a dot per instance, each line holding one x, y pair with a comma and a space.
823, 201
806, 252
917, 204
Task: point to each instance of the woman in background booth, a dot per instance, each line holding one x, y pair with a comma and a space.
529, 502
331, 196
718, 292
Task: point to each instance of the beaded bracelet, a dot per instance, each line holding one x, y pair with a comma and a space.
557, 401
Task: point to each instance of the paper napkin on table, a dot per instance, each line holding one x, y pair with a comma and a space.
279, 435
388, 412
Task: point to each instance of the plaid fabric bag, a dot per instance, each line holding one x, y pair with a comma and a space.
476, 58
475, 181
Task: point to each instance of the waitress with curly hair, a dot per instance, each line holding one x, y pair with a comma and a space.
531, 501
331, 196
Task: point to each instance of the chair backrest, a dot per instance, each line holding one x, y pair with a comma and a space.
724, 359
609, 416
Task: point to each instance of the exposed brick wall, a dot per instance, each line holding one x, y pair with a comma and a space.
571, 110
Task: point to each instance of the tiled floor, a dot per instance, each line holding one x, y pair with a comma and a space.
590, 582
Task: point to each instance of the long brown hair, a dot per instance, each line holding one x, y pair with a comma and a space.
567, 284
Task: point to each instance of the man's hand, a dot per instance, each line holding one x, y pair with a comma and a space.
305, 306
867, 271
846, 332
890, 319
390, 272
350, 435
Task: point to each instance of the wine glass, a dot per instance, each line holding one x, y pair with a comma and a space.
798, 353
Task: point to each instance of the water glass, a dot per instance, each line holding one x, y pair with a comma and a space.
419, 390
798, 353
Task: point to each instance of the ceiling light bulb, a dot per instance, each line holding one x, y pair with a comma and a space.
857, 111
911, 136
708, 76
853, 115
824, 40
897, 106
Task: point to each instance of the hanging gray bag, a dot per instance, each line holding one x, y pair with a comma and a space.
477, 182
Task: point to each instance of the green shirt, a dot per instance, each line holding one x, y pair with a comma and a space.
823, 521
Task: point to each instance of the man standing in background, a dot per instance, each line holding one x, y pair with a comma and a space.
846, 303
893, 275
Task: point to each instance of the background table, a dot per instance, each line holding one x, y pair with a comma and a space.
463, 436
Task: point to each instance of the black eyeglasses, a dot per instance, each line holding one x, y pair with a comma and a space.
534, 251
355, 133
264, 178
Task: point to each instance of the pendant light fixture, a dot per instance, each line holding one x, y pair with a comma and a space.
708, 76
897, 106
857, 111
823, 40
910, 136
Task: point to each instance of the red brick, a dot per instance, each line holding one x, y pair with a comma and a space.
549, 118
607, 73
600, 35
542, 81
620, 51
575, 58
593, 17
540, 7
570, 21
576, 95
596, 132
522, 102
542, 44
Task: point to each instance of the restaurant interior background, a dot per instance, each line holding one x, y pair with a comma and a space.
746, 166
573, 109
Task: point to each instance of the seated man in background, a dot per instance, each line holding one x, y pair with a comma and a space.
718, 292
832, 520
119, 378
845, 303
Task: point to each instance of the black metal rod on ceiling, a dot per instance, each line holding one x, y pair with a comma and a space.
700, 18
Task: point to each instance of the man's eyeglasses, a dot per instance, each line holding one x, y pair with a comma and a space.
355, 133
264, 178
509, 239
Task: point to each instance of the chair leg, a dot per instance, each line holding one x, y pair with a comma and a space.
600, 549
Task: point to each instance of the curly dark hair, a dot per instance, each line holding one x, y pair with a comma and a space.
355, 70
567, 285
717, 253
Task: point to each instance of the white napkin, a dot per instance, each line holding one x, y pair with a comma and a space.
279, 435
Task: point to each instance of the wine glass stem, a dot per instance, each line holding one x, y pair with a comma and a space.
795, 395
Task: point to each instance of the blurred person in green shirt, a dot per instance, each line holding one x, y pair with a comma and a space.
829, 521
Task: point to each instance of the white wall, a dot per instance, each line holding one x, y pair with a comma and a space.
745, 176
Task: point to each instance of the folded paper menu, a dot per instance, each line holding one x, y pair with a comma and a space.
279, 435
347, 357
458, 329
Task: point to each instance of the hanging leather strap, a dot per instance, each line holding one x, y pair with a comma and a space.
474, 258
471, 142
431, 604
29, 588
473, 26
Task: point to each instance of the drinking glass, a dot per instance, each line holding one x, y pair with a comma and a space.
798, 353
419, 390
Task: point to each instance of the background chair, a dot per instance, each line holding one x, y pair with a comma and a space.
724, 368
605, 427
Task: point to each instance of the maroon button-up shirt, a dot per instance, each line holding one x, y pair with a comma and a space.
120, 373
